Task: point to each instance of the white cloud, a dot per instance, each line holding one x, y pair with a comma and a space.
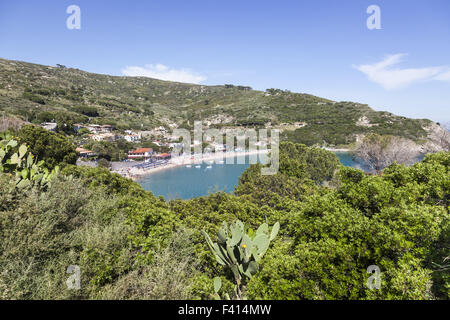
162, 72
385, 74
445, 76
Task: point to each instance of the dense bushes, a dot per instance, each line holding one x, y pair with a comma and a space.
129, 244
389, 221
33, 98
301, 170
42, 233
72, 223
50, 147
87, 111
333, 244
398, 221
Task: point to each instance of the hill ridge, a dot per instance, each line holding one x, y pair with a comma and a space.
39, 93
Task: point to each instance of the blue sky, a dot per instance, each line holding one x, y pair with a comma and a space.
318, 47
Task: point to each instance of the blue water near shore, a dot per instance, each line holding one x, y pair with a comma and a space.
186, 183
348, 160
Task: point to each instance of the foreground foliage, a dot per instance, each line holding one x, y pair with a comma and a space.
334, 223
241, 252
18, 161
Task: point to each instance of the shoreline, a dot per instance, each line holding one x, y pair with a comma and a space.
138, 173
337, 149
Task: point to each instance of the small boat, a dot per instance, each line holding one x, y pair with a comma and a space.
198, 166
188, 166
221, 162
209, 167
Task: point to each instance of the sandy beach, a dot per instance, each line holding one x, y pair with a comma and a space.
336, 149
136, 173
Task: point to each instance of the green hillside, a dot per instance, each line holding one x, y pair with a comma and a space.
38, 93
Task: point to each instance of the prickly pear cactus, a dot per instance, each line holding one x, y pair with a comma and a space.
21, 163
240, 251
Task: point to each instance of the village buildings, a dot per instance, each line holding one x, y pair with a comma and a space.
50, 126
84, 153
94, 128
141, 153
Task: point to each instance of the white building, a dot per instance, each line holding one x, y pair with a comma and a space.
50, 126
94, 128
141, 153
134, 137
218, 147
104, 137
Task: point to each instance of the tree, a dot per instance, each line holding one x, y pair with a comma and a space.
379, 152
65, 123
54, 149
103, 163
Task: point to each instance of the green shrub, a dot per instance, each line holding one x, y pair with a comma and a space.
54, 149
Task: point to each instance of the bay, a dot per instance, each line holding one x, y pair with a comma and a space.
190, 182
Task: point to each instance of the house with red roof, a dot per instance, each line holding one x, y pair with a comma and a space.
84, 153
141, 153
162, 156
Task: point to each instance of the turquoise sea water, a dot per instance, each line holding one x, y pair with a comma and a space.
347, 159
186, 183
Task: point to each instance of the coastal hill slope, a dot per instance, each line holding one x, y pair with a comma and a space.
38, 93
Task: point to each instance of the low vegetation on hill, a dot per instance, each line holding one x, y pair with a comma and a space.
37, 93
